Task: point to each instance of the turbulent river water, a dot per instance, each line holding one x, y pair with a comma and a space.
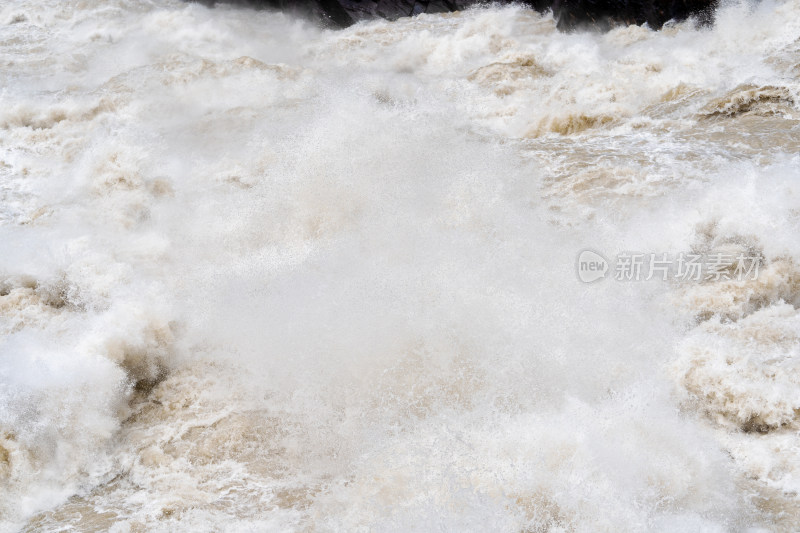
256, 275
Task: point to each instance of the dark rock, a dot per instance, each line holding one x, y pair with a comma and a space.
604, 14
570, 14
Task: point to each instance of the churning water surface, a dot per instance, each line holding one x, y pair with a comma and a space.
261, 276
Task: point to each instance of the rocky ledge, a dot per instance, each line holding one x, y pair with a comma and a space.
570, 14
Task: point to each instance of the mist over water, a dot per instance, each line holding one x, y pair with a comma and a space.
261, 276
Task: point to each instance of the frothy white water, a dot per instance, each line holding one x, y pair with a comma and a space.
261, 276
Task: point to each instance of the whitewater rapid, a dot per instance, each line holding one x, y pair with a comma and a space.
257, 275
